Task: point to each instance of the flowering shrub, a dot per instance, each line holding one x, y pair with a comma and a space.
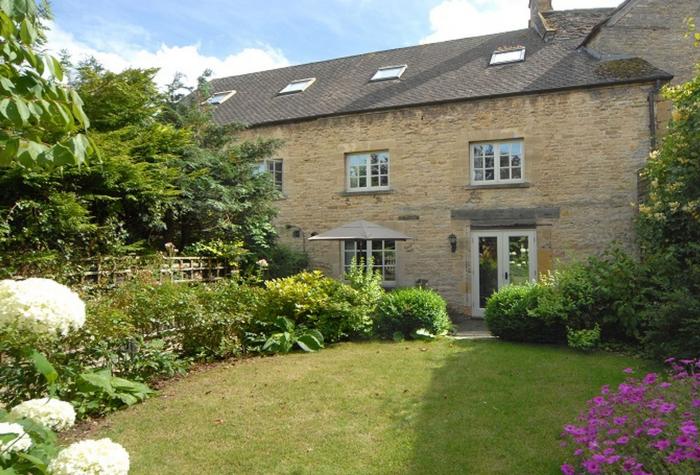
13, 438
645, 426
40, 306
91, 457
53, 413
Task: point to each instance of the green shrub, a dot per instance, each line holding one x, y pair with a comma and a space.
317, 302
406, 311
511, 315
284, 262
583, 340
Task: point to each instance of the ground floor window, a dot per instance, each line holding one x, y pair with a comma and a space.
382, 254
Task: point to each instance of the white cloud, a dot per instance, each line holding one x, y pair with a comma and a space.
187, 59
453, 19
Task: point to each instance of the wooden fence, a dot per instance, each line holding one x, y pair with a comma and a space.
115, 270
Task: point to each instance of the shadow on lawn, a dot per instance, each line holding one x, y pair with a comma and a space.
502, 411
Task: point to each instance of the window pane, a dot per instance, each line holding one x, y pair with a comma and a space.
362, 182
505, 173
489, 175
357, 160
384, 181
517, 173
478, 175
478, 162
375, 181
489, 162
519, 259
488, 149
515, 161
374, 159
505, 161
353, 182
516, 148
488, 268
389, 244
390, 274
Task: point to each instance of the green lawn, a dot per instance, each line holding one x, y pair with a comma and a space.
416, 408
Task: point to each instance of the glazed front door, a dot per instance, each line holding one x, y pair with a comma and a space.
500, 258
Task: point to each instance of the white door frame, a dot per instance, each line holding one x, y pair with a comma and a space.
502, 236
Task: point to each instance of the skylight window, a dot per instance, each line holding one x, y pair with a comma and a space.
390, 72
299, 85
508, 56
219, 97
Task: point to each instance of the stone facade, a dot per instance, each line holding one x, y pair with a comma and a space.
654, 30
582, 152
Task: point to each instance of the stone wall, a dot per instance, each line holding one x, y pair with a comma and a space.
656, 31
582, 153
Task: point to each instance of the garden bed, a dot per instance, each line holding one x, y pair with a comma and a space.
414, 407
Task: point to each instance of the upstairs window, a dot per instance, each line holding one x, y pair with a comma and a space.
389, 72
497, 162
382, 254
274, 168
511, 55
368, 171
219, 97
299, 85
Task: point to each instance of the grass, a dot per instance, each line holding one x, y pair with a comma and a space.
410, 408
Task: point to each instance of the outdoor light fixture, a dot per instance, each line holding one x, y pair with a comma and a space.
453, 242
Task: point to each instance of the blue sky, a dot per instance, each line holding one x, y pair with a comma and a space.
238, 36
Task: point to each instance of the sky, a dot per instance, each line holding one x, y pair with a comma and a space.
240, 36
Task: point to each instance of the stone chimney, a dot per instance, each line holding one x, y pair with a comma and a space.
536, 22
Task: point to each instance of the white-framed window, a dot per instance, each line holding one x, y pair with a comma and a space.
510, 55
368, 171
220, 97
273, 166
299, 85
389, 72
381, 253
497, 162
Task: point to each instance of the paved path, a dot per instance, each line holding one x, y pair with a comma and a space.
471, 329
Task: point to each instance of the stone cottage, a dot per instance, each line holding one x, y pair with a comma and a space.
474, 163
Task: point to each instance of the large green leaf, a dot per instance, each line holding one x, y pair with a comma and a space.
44, 367
101, 380
309, 343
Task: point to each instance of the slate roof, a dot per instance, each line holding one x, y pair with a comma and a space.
439, 72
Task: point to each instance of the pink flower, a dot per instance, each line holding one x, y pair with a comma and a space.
654, 431
684, 441
622, 440
628, 371
618, 421
689, 429
696, 403
650, 378
667, 408
591, 466
665, 385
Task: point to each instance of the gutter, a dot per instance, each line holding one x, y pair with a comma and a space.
653, 96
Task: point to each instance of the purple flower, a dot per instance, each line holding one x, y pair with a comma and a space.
684, 441
628, 371
618, 421
591, 466
667, 408
622, 440
612, 459
605, 390
689, 429
650, 378
676, 457
654, 431
669, 360
599, 401
578, 452
665, 385
567, 469
661, 445
696, 403
631, 464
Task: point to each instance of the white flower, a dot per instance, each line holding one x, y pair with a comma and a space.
53, 413
41, 306
91, 457
262, 263
20, 443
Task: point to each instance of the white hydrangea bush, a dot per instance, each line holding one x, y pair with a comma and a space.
21, 443
91, 457
55, 414
41, 306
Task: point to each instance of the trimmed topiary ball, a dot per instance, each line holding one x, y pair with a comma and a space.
407, 311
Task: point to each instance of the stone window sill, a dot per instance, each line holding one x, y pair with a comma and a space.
500, 186
365, 193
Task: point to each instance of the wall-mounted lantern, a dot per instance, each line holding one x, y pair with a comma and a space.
453, 242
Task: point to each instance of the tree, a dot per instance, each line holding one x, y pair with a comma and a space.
42, 122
